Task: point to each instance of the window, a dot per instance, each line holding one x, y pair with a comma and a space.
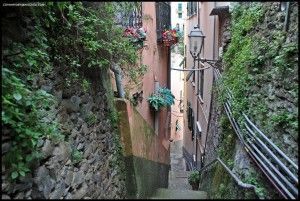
179, 7
179, 15
190, 115
131, 17
163, 18
191, 8
181, 102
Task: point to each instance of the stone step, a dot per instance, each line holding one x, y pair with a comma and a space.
163, 193
178, 174
179, 180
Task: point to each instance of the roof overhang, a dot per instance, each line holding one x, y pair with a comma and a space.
220, 10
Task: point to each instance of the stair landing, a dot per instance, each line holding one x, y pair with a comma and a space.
163, 193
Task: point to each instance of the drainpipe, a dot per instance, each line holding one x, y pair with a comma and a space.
286, 20
118, 76
198, 3
156, 122
214, 38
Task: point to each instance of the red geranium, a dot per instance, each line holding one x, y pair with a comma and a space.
169, 37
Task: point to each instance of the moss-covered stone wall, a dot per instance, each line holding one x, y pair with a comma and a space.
261, 70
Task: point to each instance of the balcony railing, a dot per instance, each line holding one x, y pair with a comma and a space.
131, 17
163, 18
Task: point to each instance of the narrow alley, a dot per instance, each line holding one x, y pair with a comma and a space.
150, 100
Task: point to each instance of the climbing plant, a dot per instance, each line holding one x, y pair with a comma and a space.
260, 66
59, 37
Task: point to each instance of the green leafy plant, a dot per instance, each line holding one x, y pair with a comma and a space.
85, 85
76, 156
91, 119
162, 98
23, 112
194, 179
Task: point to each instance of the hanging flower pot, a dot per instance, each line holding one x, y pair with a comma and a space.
136, 36
169, 37
162, 98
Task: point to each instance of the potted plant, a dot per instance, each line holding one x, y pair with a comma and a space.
136, 36
170, 37
162, 98
194, 179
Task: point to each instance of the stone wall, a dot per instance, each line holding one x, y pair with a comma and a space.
84, 121
277, 90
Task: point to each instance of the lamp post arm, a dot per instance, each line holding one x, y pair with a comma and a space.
179, 69
206, 60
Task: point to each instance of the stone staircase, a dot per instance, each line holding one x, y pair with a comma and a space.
178, 187
164, 193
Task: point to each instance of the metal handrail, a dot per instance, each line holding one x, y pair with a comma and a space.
271, 143
289, 188
236, 179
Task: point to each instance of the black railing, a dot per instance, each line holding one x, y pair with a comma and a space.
131, 16
163, 18
281, 171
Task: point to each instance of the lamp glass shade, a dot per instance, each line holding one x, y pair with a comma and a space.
196, 40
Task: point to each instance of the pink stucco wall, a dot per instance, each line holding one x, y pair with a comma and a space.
210, 27
155, 56
177, 83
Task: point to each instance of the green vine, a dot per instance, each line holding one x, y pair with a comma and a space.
75, 39
260, 65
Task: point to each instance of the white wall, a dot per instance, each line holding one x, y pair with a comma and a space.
174, 14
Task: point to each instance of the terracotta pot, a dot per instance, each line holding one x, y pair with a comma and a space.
195, 186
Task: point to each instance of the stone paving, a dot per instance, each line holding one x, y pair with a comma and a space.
179, 187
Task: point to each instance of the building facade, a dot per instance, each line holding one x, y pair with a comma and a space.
178, 15
198, 84
145, 132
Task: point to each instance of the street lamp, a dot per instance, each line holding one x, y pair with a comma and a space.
196, 39
196, 43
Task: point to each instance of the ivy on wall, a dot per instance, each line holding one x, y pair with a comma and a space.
73, 38
261, 72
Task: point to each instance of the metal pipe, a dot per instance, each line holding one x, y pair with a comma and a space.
179, 69
237, 130
274, 168
233, 122
156, 122
272, 175
271, 143
214, 34
250, 150
237, 180
118, 77
273, 156
286, 19
252, 155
